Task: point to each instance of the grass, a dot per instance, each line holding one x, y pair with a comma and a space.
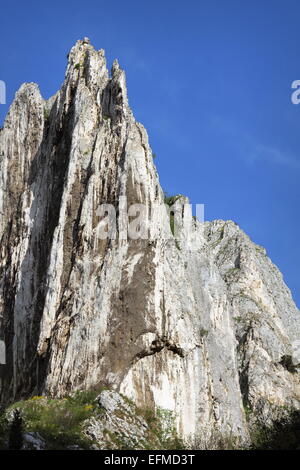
247, 411
238, 319
203, 332
46, 114
161, 429
232, 271
59, 421
170, 200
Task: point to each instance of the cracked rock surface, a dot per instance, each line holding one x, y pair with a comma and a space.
206, 333
119, 423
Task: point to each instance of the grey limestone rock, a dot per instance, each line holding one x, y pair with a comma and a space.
207, 333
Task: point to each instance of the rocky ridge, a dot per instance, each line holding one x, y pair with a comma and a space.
210, 333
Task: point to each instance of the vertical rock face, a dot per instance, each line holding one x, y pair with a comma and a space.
207, 332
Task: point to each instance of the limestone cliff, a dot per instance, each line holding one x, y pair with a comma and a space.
211, 333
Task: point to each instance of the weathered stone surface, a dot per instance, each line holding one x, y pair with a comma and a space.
202, 332
33, 441
266, 321
119, 425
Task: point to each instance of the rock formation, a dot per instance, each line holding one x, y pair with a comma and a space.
211, 333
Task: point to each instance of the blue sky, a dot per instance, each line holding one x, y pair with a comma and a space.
211, 82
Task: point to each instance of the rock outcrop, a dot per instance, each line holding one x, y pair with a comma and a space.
86, 420
210, 333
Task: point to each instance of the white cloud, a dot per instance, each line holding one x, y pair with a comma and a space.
249, 149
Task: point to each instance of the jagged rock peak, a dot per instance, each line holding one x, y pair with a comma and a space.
210, 333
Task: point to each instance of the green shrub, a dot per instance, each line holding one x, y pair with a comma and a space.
170, 200
58, 420
203, 332
84, 397
247, 411
161, 429
284, 434
46, 114
238, 319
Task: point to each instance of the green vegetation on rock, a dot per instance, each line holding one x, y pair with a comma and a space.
86, 421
